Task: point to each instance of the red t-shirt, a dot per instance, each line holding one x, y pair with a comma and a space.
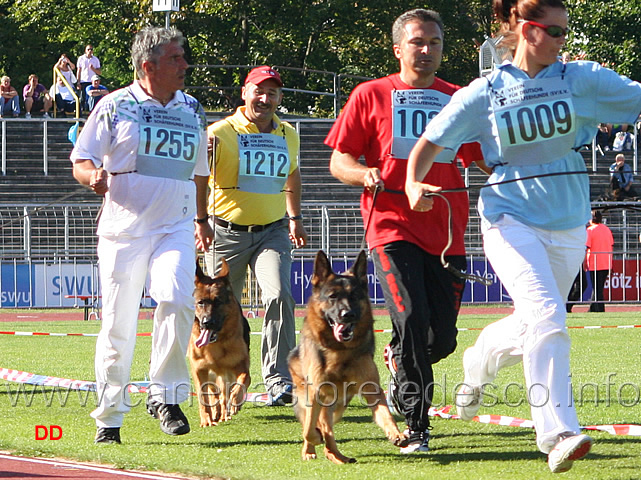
364, 127
599, 245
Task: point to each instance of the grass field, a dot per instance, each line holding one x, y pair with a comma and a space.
264, 443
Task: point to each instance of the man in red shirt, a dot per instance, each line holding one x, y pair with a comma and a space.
598, 258
381, 121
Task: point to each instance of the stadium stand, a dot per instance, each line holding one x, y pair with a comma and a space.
38, 173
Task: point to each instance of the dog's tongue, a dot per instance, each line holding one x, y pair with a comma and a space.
338, 331
203, 339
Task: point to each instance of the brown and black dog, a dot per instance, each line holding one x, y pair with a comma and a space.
335, 358
218, 348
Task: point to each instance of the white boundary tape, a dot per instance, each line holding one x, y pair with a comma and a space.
386, 330
620, 429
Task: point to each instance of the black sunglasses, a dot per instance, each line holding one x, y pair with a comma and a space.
554, 31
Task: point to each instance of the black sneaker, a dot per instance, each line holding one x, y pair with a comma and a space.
108, 435
172, 420
282, 395
392, 387
418, 442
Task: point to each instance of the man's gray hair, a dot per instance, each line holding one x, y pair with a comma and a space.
148, 44
416, 15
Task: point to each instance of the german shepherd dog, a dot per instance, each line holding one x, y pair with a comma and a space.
218, 348
335, 358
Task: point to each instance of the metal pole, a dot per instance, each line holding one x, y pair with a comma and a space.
45, 134
26, 233
167, 18
337, 95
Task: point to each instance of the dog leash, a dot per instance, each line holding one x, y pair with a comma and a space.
377, 189
449, 267
503, 182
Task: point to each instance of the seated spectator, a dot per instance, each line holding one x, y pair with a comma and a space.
65, 101
621, 179
36, 97
622, 141
95, 92
9, 99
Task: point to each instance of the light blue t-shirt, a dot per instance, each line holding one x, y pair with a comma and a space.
532, 127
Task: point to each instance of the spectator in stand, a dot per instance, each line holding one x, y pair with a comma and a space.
9, 99
621, 178
66, 68
88, 66
598, 258
603, 137
65, 101
36, 97
95, 92
621, 139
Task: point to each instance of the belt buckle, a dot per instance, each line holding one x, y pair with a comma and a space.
252, 228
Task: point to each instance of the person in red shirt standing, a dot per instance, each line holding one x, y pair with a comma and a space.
381, 121
598, 258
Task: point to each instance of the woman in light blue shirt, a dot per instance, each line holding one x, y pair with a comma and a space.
531, 116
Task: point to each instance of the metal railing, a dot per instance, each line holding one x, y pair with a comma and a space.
57, 74
46, 140
335, 81
52, 251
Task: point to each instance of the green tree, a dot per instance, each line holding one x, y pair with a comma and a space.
50, 27
608, 33
311, 37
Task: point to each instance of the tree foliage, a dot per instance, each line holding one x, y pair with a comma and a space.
310, 39
608, 33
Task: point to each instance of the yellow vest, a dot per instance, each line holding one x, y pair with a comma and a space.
231, 204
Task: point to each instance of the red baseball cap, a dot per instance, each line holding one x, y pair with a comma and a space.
262, 73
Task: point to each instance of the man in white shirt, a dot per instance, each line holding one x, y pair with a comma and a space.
155, 204
88, 66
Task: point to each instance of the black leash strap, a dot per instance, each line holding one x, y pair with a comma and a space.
503, 182
369, 217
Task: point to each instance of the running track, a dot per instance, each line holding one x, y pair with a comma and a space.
23, 468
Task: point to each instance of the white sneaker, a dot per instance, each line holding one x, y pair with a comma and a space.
46, 115
567, 450
27, 115
468, 401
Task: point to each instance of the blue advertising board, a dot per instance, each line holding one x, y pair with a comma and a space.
16, 285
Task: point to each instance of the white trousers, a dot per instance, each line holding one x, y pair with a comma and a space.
537, 268
125, 264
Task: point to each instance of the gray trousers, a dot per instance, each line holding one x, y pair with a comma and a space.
268, 254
